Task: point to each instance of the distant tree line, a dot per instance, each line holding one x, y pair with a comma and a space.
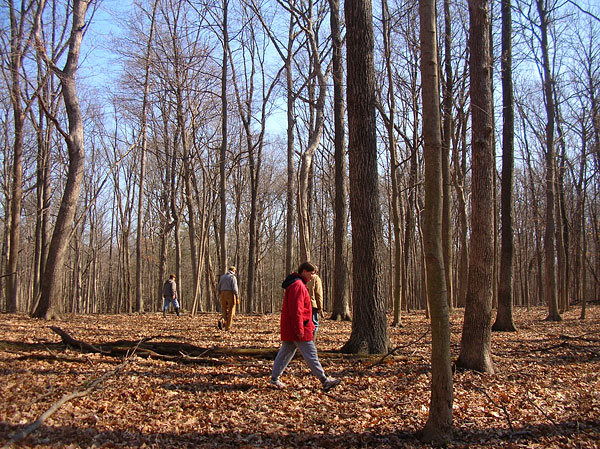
424, 156
223, 142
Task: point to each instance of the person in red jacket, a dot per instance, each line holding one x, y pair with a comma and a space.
297, 328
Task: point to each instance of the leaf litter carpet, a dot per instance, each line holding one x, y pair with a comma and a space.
545, 391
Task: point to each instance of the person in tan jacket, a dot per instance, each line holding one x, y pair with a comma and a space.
315, 290
230, 297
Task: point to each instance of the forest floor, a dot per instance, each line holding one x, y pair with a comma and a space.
545, 392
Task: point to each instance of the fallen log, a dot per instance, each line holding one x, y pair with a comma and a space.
188, 353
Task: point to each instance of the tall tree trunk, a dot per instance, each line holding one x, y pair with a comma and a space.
42, 189
314, 139
16, 201
291, 179
562, 228
550, 231
504, 317
140, 209
447, 125
18, 46
459, 176
369, 326
438, 428
475, 350
49, 304
223, 153
395, 200
341, 306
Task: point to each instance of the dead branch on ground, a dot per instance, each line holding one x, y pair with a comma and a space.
63, 400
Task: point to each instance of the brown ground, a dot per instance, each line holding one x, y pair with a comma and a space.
545, 393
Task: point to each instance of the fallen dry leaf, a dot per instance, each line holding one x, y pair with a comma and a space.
545, 393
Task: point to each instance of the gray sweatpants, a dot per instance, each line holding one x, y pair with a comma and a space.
308, 351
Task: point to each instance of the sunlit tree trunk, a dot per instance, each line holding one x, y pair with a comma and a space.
319, 78
438, 428
291, 123
49, 304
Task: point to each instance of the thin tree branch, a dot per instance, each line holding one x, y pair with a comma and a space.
66, 398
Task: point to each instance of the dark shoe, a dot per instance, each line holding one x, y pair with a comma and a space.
164, 313
177, 311
220, 324
329, 383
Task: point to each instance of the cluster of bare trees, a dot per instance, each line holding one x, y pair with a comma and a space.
223, 141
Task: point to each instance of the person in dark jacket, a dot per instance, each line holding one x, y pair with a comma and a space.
170, 295
297, 328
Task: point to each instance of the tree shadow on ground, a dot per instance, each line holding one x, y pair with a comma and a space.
88, 437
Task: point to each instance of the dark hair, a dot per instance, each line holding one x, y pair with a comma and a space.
308, 266
172, 276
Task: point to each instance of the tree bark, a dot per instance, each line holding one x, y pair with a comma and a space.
369, 326
549, 234
504, 316
395, 200
19, 43
341, 306
447, 126
49, 304
438, 428
475, 351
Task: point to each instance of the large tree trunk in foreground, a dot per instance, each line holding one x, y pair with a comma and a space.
475, 351
369, 326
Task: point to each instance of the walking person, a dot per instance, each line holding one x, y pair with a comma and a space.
170, 295
297, 329
230, 298
315, 290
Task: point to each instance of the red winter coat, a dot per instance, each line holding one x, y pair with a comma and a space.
296, 311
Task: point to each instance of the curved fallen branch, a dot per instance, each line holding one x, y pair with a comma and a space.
63, 400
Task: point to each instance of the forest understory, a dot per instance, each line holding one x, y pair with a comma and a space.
154, 382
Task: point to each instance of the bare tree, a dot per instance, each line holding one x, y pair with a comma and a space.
318, 75
142, 176
224, 137
447, 125
550, 230
48, 306
475, 350
504, 317
341, 306
20, 40
390, 121
438, 428
287, 57
254, 74
369, 326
